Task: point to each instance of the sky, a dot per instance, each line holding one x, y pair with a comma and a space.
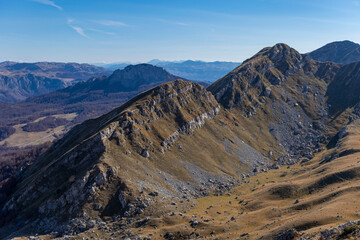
106, 31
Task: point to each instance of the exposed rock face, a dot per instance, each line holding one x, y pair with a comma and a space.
268, 67
245, 85
289, 88
21, 80
338, 52
90, 166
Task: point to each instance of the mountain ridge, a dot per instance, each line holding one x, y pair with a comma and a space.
342, 52
21, 80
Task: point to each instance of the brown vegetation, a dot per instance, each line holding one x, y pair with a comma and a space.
6, 131
44, 124
12, 159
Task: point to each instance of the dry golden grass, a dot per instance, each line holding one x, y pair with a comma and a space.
266, 205
22, 138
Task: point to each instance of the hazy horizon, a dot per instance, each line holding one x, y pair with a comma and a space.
138, 31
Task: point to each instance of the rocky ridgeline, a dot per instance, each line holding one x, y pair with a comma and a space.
288, 86
170, 99
245, 85
76, 179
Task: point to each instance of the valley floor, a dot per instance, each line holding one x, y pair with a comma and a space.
23, 138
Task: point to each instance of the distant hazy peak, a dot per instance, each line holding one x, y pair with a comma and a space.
134, 75
339, 52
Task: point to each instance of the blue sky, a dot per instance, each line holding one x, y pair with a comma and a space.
141, 30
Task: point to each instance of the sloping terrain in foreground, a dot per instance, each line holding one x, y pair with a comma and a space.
312, 199
309, 196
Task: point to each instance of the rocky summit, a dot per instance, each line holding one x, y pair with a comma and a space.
287, 90
166, 163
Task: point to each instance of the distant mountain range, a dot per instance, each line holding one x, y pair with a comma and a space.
199, 71
87, 99
19, 81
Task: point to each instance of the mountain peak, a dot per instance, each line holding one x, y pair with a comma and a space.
270, 66
339, 52
344, 43
280, 47
281, 53
142, 67
133, 76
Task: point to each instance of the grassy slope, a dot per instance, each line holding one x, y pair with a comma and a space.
328, 195
265, 205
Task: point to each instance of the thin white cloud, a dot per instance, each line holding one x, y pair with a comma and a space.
78, 29
111, 23
49, 3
